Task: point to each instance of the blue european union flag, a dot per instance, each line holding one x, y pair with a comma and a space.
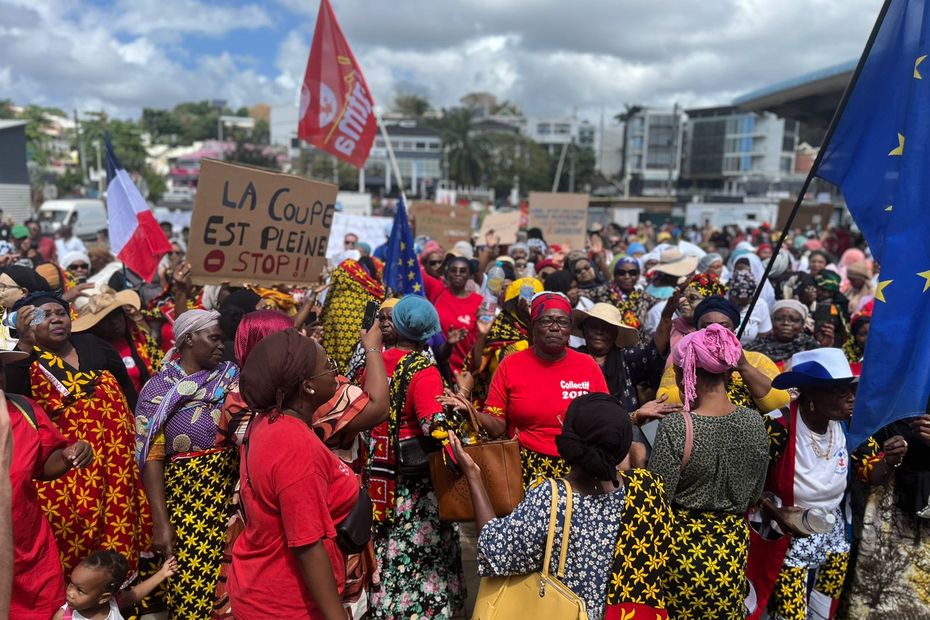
880, 157
401, 268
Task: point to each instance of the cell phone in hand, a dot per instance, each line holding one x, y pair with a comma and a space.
823, 313
371, 311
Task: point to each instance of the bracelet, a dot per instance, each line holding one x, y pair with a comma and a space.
373, 350
901, 462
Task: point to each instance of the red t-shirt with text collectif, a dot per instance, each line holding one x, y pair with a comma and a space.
454, 313
299, 492
532, 394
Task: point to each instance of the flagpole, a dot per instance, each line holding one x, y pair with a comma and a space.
828, 135
390, 150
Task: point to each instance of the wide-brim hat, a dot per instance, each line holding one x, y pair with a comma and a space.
91, 309
626, 336
817, 369
675, 263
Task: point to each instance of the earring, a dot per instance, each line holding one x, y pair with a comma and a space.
312, 391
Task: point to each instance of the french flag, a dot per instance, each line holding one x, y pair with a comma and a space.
135, 236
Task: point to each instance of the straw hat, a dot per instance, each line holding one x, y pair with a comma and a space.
91, 309
626, 336
674, 263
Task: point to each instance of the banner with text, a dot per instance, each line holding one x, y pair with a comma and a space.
563, 218
445, 223
258, 227
505, 225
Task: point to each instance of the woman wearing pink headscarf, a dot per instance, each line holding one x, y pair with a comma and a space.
712, 458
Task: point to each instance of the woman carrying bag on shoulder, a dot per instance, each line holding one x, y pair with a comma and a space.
605, 515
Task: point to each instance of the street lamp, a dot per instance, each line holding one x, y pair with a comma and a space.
246, 122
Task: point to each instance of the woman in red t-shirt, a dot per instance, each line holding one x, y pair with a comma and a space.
294, 491
531, 389
456, 306
41, 452
418, 556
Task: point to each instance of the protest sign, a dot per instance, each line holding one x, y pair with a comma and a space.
256, 226
504, 225
563, 218
445, 223
371, 230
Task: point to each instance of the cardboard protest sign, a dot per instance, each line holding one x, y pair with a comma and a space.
370, 230
256, 226
563, 218
504, 225
445, 223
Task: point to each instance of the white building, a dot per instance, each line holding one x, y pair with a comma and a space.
653, 151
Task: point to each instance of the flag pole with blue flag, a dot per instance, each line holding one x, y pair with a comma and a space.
402, 269
879, 155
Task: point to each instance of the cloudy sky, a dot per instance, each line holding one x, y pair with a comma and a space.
549, 56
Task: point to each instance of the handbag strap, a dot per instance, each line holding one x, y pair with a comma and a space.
553, 509
689, 441
553, 517
568, 522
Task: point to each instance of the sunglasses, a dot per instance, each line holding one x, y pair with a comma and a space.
627, 272
581, 269
547, 322
434, 263
84, 266
330, 369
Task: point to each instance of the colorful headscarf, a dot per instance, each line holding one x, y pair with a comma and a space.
791, 304
190, 322
828, 281
624, 261
415, 319
549, 301
537, 244
742, 284
707, 284
714, 349
513, 289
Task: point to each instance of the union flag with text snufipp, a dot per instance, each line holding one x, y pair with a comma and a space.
336, 108
879, 156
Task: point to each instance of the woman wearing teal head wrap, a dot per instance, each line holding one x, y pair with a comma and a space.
415, 319
412, 546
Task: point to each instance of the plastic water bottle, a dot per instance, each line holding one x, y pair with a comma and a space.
529, 271
818, 520
495, 281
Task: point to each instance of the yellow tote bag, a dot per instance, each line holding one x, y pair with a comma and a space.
536, 595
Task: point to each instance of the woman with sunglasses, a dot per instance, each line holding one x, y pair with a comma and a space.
625, 285
457, 307
797, 568
76, 266
532, 389
418, 556
188, 478
295, 492
590, 283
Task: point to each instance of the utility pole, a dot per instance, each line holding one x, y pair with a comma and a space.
673, 149
80, 144
101, 177
571, 167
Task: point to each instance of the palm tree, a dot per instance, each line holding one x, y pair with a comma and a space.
466, 154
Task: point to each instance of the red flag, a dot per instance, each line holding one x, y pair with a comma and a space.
336, 108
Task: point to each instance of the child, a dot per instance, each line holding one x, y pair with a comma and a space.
94, 592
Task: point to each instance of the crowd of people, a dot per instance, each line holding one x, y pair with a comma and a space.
243, 451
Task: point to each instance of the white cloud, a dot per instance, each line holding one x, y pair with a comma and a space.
549, 56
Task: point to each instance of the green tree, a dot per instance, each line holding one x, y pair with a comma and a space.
6, 109
156, 183
413, 106
69, 182
466, 153
125, 135
163, 126
262, 132
516, 157
38, 122
249, 153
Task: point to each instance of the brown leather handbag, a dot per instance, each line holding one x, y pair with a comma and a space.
501, 471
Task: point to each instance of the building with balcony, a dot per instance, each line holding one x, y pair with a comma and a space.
653, 151
735, 152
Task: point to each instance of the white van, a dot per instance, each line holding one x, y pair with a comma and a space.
85, 215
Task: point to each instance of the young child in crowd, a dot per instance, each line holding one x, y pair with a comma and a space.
94, 592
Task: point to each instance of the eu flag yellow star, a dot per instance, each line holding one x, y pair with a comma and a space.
926, 276
880, 291
917, 62
900, 149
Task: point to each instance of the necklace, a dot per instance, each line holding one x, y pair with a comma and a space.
815, 445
